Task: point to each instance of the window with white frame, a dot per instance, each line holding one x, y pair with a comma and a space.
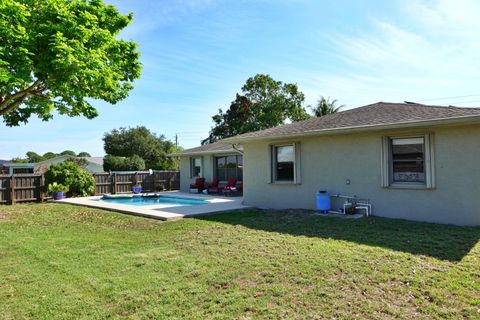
196, 167
408, 161
285, 163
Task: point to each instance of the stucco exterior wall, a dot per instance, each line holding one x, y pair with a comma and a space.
327, 162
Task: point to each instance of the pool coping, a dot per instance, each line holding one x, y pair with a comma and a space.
165, 212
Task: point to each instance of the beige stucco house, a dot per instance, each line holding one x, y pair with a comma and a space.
412, 161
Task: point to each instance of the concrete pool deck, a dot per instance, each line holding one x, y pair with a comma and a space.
165, 211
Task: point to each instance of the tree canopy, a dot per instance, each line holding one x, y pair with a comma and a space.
49, 155
68, 153
83, 154
33, 157
326, 106
140, 141
264, 103
57, 54
114, 163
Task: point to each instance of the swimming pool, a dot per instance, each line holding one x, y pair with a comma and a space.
159, 200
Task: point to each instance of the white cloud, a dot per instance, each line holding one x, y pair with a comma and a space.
166, 13
432, 52
458, 18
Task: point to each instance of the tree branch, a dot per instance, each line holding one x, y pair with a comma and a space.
14, 104
13, 101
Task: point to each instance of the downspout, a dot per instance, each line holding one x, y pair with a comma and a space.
234, 146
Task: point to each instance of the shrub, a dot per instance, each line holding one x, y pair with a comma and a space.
56, 187
113, 163
134, 163
79, 181
80, 161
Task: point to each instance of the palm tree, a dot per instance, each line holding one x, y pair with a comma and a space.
325, 106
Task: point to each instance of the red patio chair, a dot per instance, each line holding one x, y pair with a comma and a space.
231, 183
214, 186
199, 184
233, 191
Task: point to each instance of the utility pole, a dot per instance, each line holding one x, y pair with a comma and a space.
176, 139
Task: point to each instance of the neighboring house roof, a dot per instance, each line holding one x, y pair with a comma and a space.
2, 162
212, 148
94, 160
18, 164
375, 116
62, 157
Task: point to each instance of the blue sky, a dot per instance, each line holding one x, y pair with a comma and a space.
198, 54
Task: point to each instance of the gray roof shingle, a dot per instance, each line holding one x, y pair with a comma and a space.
377, 114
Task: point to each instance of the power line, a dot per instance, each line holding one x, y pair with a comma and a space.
463, 102
454, 97
190, 132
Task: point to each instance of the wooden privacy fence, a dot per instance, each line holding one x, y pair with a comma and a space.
29, 187
20, 188
121, 182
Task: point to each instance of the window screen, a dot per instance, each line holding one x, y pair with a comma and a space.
408, 160
284, 163
196, 167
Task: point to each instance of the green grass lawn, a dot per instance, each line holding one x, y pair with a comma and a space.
61, 261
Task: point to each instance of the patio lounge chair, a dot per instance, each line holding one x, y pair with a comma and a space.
231, 187
235, 191
231, 183
214, 186
198, 186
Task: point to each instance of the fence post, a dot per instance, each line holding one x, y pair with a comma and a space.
114, 181
40, 191
12, 189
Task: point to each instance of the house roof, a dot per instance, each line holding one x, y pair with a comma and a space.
380, 115
211, 148
18, 164
95, 160
64, 156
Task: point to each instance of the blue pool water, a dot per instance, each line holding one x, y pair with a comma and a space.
147, 201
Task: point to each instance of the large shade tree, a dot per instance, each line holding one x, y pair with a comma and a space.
56, 54
84, 154
34, 157
264, 103
68, 153
140, 141
237, 119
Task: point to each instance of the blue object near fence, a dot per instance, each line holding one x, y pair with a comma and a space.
323, 201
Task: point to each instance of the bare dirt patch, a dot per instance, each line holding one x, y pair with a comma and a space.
3, 217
